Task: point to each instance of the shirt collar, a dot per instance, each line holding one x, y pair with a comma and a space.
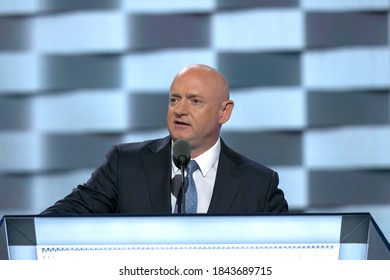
206, 160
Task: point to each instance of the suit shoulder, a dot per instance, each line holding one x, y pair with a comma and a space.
247, 163
250, 163
135, 147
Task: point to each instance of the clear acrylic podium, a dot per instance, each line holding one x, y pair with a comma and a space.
351, 236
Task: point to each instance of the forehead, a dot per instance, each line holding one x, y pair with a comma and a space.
195, 81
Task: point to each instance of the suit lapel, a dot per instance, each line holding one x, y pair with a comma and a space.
157, 166
228, 181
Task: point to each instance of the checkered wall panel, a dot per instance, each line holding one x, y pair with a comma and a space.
310, 80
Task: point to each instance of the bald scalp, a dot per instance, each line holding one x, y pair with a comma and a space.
207, 72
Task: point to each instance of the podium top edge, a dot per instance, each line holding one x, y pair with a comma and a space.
284, 214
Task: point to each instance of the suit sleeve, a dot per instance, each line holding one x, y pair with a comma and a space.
98, 195
275, 196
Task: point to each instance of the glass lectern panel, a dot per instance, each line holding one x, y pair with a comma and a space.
320, 236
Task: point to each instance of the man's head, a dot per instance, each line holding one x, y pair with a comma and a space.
198, 106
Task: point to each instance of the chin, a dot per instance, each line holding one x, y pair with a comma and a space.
178, 135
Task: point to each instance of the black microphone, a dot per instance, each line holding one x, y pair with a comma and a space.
181, 155
176, 183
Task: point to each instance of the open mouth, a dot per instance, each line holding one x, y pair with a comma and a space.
180, 123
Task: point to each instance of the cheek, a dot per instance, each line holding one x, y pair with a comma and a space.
169, 117
170, 112
206, 120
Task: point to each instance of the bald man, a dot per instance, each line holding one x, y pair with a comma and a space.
136, 178
198, 106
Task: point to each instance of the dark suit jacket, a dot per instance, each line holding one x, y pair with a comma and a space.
135, 179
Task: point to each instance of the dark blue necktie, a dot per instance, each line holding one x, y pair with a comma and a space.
191, 194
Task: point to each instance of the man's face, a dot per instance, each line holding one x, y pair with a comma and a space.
194, 110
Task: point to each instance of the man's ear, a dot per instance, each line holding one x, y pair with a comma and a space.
226, 111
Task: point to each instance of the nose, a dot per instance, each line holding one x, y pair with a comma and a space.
181, 108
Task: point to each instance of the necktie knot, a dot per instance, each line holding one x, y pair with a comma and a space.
192, 167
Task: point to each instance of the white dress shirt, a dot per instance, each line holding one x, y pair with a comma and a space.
204, 177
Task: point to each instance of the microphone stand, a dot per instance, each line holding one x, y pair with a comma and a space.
182, 194
181, 155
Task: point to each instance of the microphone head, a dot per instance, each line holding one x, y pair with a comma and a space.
181, 153
176, 184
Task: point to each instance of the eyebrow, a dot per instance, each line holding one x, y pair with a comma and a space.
191, 95
188, 95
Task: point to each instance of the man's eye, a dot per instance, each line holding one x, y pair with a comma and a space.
172, 100
196, 101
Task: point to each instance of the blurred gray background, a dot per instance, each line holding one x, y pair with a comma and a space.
310, 80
